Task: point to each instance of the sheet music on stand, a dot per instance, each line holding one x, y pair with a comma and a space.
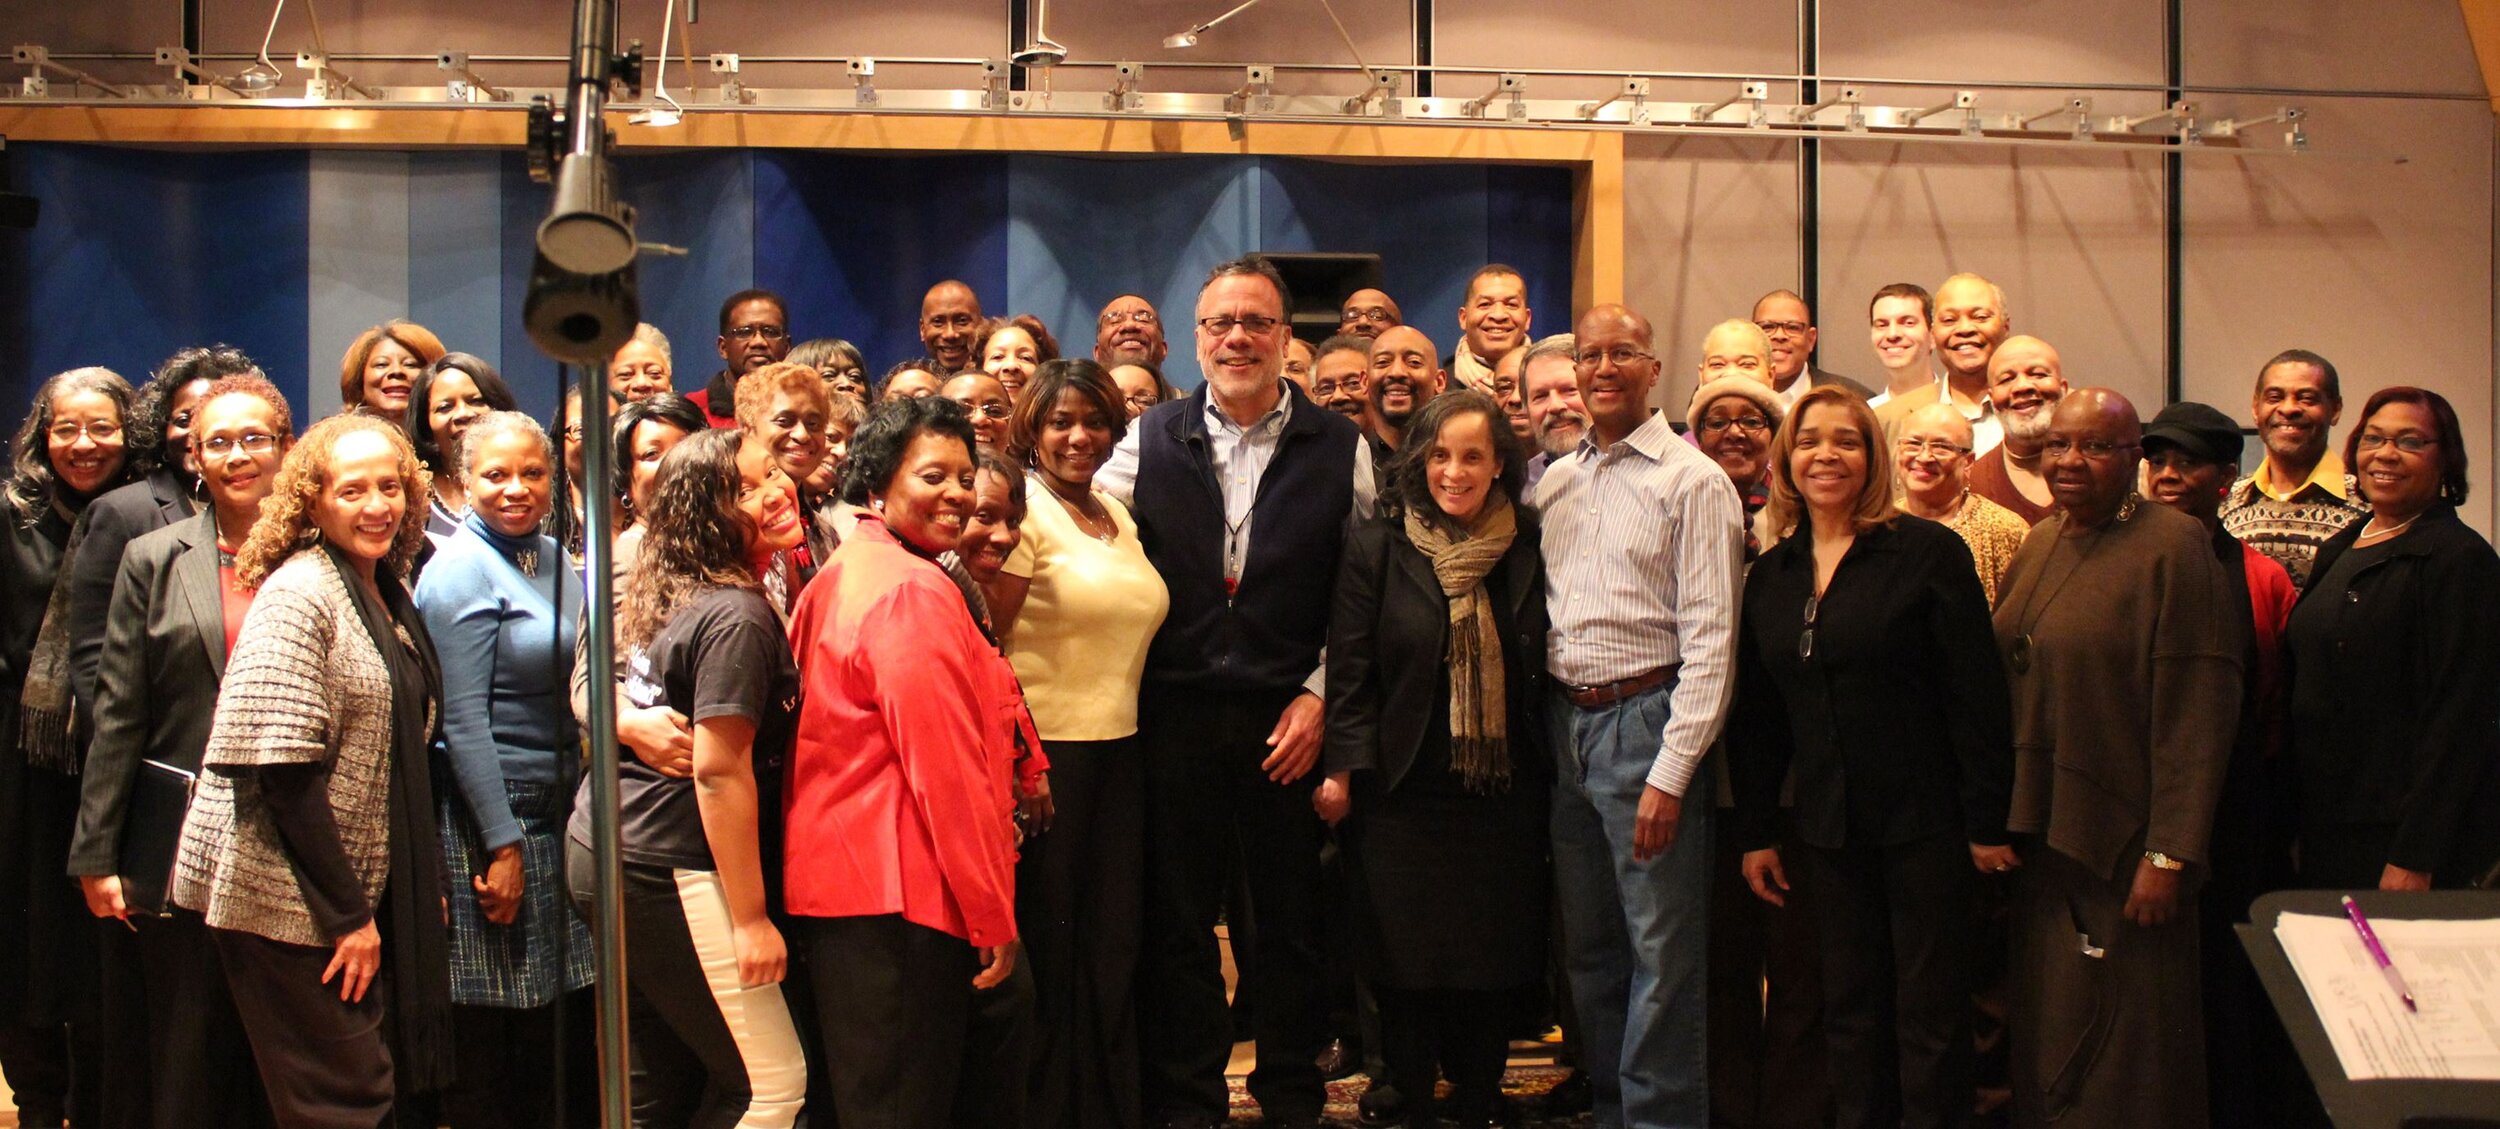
2454, 969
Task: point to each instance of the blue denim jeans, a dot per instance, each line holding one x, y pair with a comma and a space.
1635, 934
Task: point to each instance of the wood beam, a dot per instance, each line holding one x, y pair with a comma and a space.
1597, 253
1595, 156
2482, 25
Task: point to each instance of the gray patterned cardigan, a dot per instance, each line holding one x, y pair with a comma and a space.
303, 686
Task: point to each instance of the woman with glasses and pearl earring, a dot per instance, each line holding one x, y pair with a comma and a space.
1868, 670
2394, 661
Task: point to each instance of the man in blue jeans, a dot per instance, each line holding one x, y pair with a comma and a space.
1643, 543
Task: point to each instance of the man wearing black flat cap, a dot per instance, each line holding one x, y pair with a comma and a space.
2191, 454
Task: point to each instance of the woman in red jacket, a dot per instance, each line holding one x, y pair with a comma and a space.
901, 846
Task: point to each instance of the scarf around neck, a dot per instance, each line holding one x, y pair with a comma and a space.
1479, 709
418, 943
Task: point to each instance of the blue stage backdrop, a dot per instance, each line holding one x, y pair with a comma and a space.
288, 253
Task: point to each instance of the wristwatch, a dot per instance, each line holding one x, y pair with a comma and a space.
2161, 861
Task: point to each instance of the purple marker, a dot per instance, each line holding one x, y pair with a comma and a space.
2378, 953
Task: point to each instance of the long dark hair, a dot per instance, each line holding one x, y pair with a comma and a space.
490, 385
695, 537
33, 484
665, 407
1410, 480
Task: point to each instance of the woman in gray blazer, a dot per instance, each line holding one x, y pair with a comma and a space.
174, 609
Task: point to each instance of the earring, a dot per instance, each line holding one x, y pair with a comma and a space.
877, 504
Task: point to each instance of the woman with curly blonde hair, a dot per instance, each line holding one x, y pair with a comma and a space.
312, 830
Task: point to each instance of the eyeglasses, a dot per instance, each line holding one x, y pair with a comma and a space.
1259, 325
1783, 328
572, 433
1621, 355
758, 332
1805, 639
1323, 389
2094, 449
2370, 441
1376, 315
1141, 316
987, 411
251, 443
1935, 447
1142, 400
99, 431
1716, 424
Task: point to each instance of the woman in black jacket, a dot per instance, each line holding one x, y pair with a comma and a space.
2394, 669
1435, 652
1867, 666
162, 657
72, 448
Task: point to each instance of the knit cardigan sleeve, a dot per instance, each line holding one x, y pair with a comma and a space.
273, 707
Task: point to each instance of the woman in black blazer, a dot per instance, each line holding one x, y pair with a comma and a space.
173, 612
1435, 654
1868, 668
2394, 669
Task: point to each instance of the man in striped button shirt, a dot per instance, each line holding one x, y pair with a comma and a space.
1643, 536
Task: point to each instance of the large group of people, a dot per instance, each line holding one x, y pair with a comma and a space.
1810, 753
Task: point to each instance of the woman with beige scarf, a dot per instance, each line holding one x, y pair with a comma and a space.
1436, 777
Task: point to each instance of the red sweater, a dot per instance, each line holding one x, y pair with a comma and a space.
899, 797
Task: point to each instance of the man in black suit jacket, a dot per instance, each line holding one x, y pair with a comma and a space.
1789, 323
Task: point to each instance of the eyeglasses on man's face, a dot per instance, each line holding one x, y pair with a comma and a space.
767, 332
1622, 355
1258, 325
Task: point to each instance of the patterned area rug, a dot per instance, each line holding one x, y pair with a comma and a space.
1525, 1086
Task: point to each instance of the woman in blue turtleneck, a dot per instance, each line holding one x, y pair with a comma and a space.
503, 606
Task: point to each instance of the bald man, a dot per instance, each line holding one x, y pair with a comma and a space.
1127, 332
2125, 666
2025, 380
1405, 372
1735, 347
950, 321
1970, 321
1366, 312
1642, 673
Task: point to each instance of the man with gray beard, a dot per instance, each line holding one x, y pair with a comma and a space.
2025, 381
1550, 383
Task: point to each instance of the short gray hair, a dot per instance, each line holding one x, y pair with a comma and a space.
650, 334
1561, 345
493, 425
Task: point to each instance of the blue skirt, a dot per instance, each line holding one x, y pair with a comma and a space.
546, 950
